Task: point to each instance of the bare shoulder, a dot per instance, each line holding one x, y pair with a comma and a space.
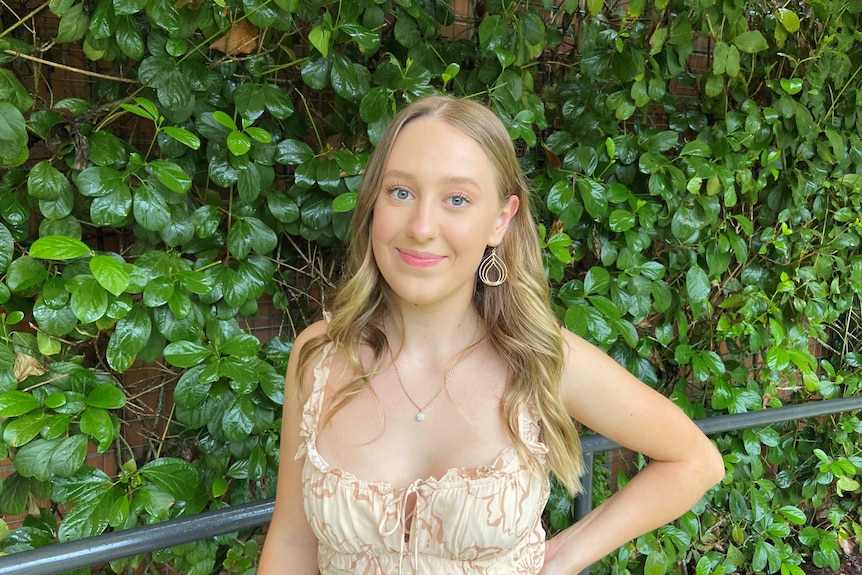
314, 330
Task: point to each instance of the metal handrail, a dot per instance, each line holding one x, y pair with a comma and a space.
137, 540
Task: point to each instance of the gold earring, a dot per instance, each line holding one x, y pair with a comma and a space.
493, 270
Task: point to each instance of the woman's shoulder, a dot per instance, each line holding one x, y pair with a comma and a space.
311, 332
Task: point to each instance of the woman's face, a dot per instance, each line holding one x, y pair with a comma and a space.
437, 209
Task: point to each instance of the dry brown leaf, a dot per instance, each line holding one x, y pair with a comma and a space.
242, 38
27, 365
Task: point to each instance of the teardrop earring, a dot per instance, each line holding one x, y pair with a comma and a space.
493, 270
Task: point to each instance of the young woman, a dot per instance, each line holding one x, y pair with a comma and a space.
427, 410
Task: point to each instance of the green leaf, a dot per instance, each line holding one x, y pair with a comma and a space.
293, 152
73, 25
20, 431
238, 143
89, 301
788, 19
621, 220
128, 339
187, 353
174, 476
128, 7
367, 40
343, 203
25, 273
111, 274
191, 389
13, 92
111, 210
129, 37
594, 197
58, 248
150, 208
183, 136
88, 518
697, 284
16, 403
106, 396
751, 42
320, 37
350, 80
596, 281
98, 181
171, 175
98, 424
315, 72
237, 421
46, 182
7, 248
283, 208
278, 102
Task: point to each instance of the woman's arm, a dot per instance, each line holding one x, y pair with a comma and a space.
290, 546
684, 464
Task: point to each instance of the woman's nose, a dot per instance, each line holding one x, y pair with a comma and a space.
423, 224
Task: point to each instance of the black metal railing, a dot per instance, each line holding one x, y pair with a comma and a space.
119, 544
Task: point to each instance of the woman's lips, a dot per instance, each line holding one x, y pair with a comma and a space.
419, 259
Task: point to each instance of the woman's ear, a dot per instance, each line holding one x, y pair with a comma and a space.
508, 211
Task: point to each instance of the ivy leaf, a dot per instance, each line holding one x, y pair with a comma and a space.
697, 284
99, 181
7, 247
88, 518
113, 209
350, 80
150, 208
343, 203
250, 100
110, 273
21, 430
320, 37
751, 42
25, 273
98, 424
278, 102
191, 389
187, 353
46, 182
58, 248
106, 396
183, 136
89, 301
315, 72
73, 25
16, 403
594, 197
171, 175
128, 339
174, 476
237, 421
293, 152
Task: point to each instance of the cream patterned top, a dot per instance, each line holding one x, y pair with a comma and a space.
482, 521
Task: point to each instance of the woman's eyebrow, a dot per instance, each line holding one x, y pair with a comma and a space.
451, 180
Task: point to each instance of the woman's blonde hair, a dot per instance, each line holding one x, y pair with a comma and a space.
519, 321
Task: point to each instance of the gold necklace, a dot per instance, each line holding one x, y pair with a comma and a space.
420, 410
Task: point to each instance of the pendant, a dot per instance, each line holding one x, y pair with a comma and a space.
420, 416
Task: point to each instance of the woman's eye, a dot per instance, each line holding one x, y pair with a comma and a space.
401, 194
458, 201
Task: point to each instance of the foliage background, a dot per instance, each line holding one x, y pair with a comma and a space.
697, 173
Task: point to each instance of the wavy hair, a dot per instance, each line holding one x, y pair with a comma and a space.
520, 323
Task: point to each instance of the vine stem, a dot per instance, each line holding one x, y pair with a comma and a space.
24, 19
69, 68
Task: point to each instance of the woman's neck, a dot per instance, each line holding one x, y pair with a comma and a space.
433, 334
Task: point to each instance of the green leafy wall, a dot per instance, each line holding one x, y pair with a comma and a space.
697, 168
